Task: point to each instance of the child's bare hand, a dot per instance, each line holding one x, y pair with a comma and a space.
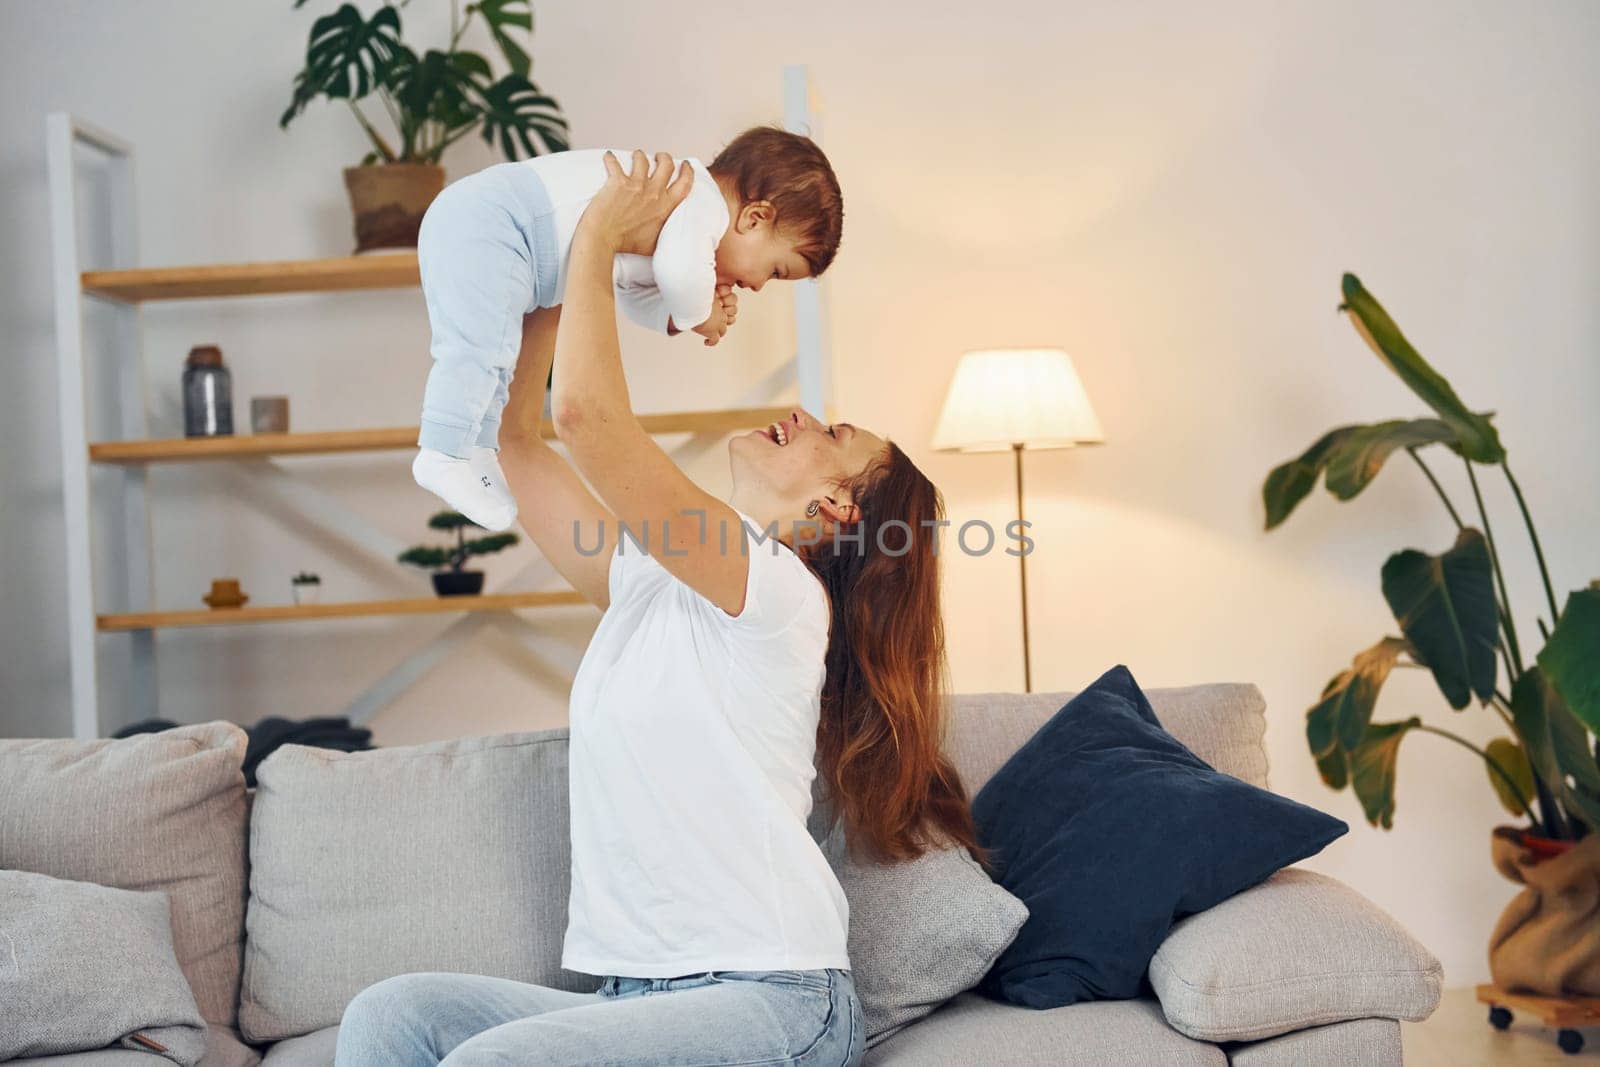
724, 310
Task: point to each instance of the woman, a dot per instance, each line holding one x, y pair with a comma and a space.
727, 667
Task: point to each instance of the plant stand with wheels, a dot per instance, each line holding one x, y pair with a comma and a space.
1566, 1013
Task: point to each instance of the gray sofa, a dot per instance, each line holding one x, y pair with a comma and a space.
342, 869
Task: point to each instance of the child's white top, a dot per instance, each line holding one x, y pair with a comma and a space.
680, 279
692, 753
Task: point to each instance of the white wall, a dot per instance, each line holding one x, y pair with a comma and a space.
1169, 192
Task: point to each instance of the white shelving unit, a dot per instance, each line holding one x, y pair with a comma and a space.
119, 604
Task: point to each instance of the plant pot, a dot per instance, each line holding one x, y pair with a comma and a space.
389, 199
307, 593
1548, 939
458, 583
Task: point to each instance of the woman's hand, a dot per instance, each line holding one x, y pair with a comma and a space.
627, 213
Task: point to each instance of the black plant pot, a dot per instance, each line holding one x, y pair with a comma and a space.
458, 583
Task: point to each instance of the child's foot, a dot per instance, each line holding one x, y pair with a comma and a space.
461, 484
486, 464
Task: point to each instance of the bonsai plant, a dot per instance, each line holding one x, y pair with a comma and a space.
432, 101
307, 587
1454, 614
449, 579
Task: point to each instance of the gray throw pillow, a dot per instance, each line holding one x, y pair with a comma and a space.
1297, 951
156, 811
921, 931
85, 966
451, 856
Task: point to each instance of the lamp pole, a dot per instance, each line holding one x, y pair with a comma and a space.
1022, 565
1016, 398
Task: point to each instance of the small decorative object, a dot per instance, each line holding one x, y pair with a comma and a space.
1008, 399
434, 100
225, 593
1456, 622
269, 414
207, 394
307, 587
449, 578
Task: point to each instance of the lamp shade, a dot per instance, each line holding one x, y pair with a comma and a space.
1002, 398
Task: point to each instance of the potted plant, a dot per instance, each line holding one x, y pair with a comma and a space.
1455, 620
432, 101
449, 579
307, 587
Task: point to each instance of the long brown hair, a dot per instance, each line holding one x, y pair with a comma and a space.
884, 715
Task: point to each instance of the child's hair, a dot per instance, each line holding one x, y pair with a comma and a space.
790, 171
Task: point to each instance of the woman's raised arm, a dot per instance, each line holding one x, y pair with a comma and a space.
574, 530
691, 533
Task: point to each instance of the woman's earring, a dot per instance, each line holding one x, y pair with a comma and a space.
811, 509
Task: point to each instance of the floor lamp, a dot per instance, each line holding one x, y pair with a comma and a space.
1012, 399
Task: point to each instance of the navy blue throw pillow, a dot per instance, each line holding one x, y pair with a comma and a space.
1110, 830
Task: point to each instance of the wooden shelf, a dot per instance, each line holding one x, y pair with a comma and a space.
247, 446
433, 605
390, 270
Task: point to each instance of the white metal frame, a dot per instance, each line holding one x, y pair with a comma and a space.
65, 137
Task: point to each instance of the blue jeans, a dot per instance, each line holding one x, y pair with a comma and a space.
488, 256
712, 1018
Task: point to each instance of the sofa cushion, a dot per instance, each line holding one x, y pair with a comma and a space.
973, 1029
1299, 950
315, 1049
223, 1049
85, 966
921, 931
1356, 1043
1223, 724
161, 811
1109, 829
451, 856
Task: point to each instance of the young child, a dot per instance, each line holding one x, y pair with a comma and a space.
494, 246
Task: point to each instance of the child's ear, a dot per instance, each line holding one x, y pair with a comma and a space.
755, 215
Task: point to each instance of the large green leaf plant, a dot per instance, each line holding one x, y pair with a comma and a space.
436, 98
1455, 619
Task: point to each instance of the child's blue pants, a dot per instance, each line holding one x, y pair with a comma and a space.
488, 255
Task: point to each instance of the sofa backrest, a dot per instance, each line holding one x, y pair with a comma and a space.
1223, 724
452, 855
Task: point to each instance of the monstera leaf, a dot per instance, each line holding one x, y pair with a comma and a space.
346, 56
436, 88
1571, 658
1340, 718
502, 17
1445, 606
1475, 436
1372, 769
515, 111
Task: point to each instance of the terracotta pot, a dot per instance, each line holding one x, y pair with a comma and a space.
458, 583
1548, 939
225, 593
389, 200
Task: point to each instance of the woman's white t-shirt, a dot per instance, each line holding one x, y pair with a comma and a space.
693, 740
